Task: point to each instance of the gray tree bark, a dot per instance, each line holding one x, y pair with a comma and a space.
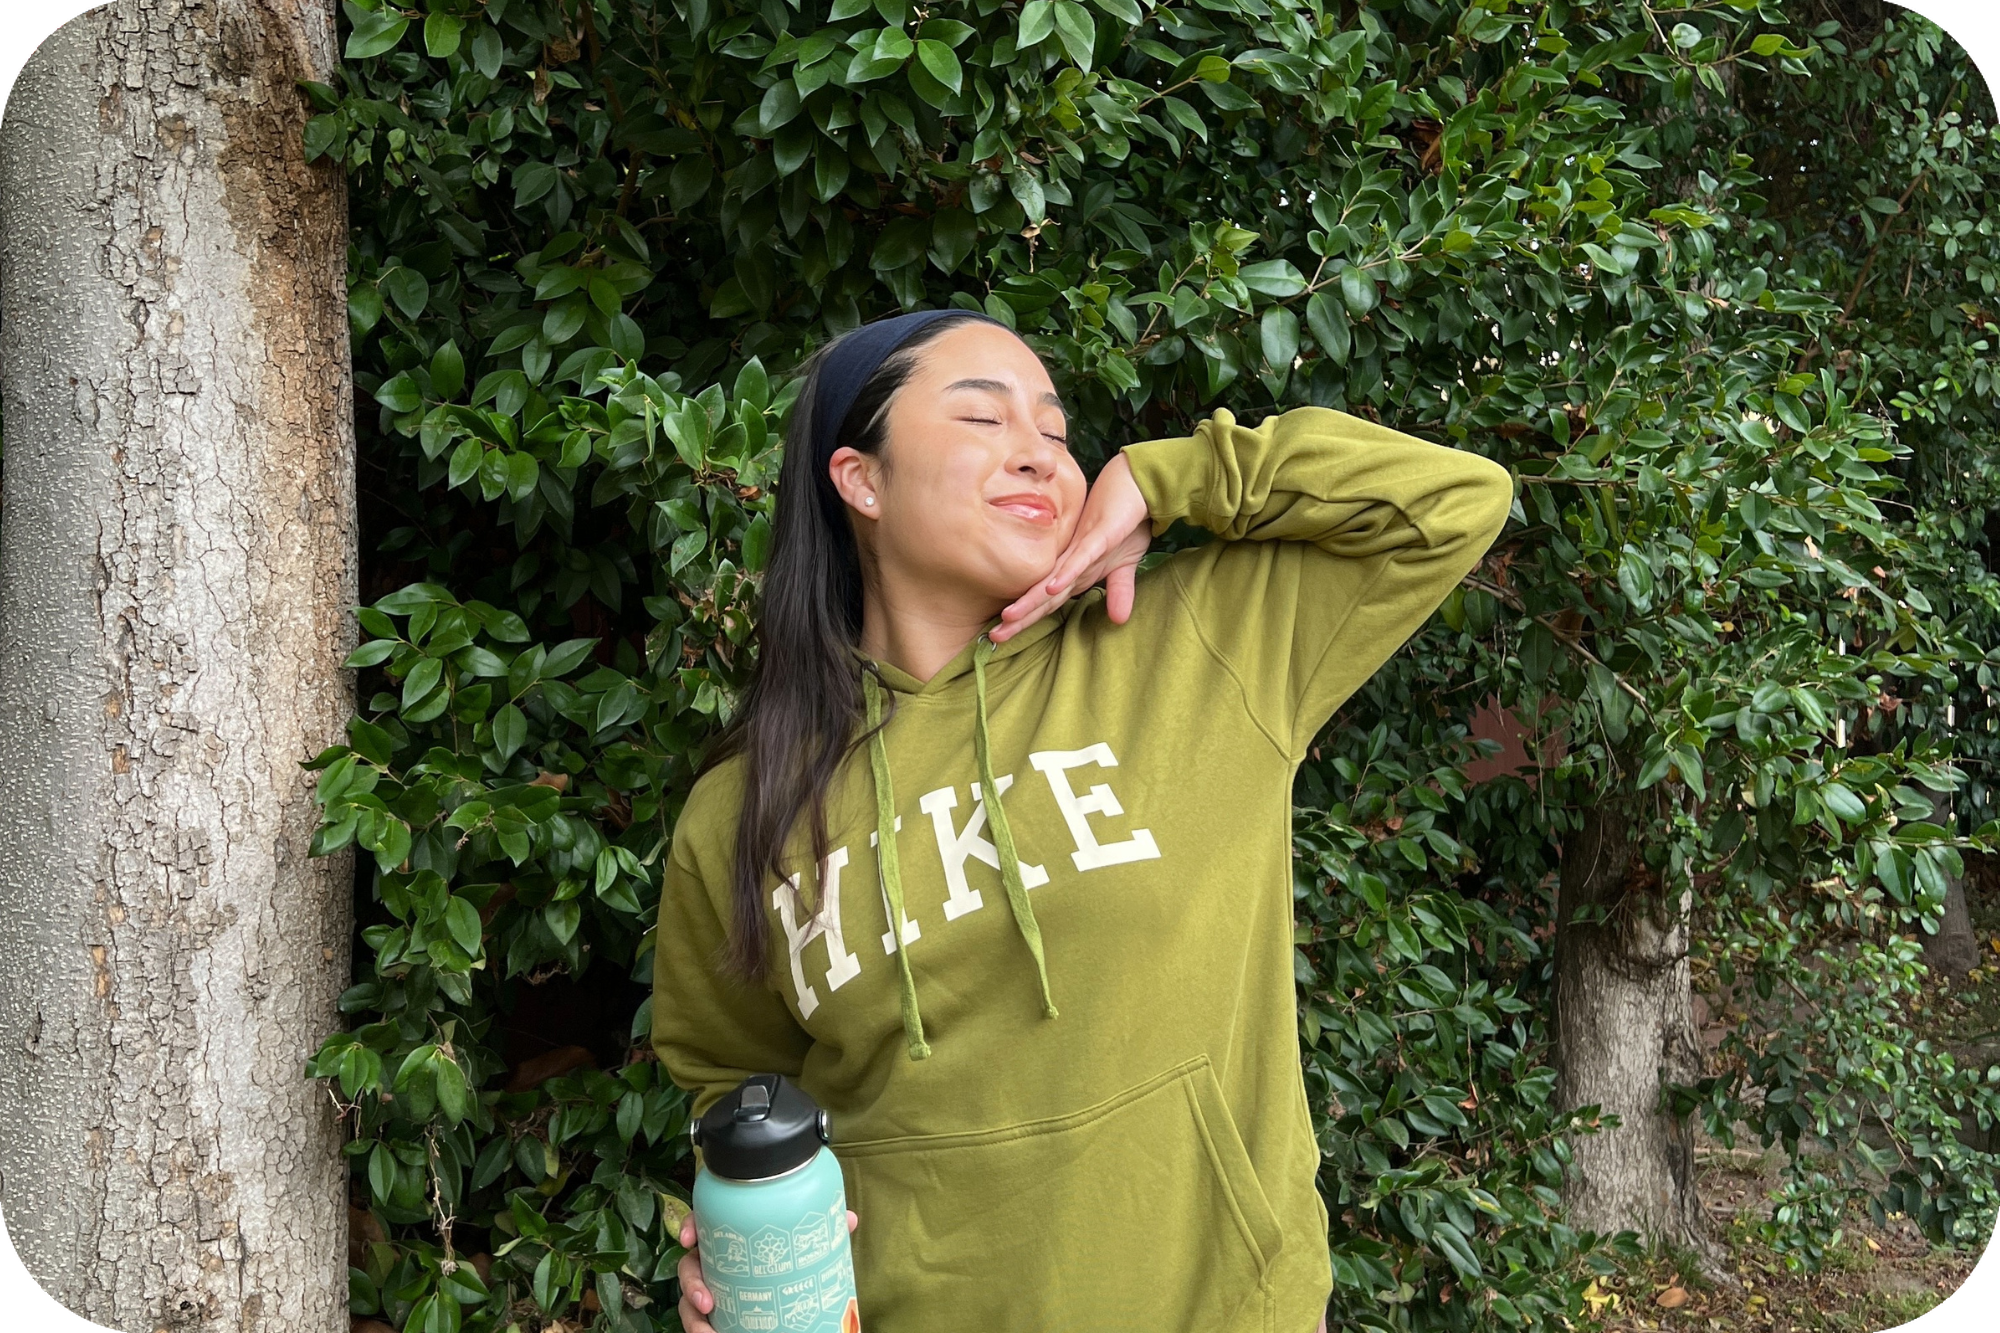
1624, 1028
1954, 950
177, 563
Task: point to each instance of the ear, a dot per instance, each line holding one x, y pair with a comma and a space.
858, 479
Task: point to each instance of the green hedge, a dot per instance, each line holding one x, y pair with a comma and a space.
590, 237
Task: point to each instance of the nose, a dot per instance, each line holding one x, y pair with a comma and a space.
1034, 455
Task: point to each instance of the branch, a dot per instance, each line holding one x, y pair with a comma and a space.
1846, 310
1561, 636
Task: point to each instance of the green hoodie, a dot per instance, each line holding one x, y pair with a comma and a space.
1074, 1099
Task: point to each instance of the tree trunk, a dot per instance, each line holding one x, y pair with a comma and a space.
1625, 1027
177, 563
1954, 950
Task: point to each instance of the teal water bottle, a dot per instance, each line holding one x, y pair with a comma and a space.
770, 1214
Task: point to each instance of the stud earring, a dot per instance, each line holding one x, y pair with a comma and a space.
868, 499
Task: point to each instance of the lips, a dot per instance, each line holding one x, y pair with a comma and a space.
1026, 505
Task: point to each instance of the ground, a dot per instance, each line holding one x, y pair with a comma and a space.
1879, 1277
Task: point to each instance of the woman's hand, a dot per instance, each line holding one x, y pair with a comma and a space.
696, 1301
1111, 534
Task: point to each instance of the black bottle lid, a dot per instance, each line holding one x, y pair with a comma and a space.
763, 1127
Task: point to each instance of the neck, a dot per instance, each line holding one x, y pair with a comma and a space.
918, 632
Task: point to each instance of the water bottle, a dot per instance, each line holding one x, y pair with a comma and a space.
770, 1213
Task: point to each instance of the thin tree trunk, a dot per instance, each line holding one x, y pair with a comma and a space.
1624, 1027
1954, 950
177, 564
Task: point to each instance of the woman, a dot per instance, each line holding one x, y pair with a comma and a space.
1065, 1086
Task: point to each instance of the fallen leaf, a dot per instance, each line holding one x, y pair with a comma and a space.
1673, 1298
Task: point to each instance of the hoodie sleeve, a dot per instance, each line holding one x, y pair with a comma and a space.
711, 1031
1339, 538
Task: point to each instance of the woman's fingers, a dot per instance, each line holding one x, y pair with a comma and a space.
1027, 612
1118, 593
696, 1300
852, 1221
1085, 550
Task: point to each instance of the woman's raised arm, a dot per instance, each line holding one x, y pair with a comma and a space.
1339, 538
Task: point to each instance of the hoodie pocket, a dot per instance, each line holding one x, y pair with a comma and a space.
1140, 1212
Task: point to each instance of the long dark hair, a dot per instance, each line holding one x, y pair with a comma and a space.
801, 714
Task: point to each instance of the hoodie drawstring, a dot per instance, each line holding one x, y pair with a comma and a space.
890, 866
891, 869
1003, 833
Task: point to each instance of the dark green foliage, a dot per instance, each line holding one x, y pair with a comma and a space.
592, 236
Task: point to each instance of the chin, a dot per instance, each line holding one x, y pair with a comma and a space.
1017, 578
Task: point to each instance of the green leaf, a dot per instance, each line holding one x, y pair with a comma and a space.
1451, 1243
447, 372
451, 1089
1273, 277
1327, 319
487, 52
532, 180
1038, 20
901, 243
523, 471
462, 920
1076, 30
781, 105
465, 461
753, 385
756, 544
510, 730
409, 289
562, 918
423, 678
949, 31
1359, 291
687, 428
441, 34
565, 319
391, 844
1836, 797
376, 33
943, 66
400, 394
364, 306
370, 741
371, 654
1278, 332
954, 232
1635, 579
565, 657
894, 45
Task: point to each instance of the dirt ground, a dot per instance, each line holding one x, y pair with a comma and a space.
1877, 1278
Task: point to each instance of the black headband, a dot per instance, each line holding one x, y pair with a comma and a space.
848, 366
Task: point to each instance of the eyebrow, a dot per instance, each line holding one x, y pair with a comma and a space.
995, 386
